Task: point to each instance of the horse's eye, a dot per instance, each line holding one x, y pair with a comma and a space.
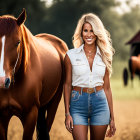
18, 43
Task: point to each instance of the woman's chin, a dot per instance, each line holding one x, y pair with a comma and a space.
89, 43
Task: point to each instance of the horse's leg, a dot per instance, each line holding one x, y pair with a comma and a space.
131, 69
132, 77
53, 105
4, 127
139, 76
125, 76
42, 131
29, 122
44, 125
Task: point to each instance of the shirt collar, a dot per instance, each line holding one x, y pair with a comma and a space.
81, 48
98, 51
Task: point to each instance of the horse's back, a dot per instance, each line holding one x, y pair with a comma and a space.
51, 51
54, 41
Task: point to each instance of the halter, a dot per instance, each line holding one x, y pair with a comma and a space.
14, 69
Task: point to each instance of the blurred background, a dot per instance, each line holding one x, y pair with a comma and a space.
59, 17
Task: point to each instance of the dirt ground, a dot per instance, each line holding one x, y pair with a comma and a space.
127, 118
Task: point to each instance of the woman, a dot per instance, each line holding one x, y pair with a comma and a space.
87, 92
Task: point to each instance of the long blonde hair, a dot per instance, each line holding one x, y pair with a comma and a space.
103, 40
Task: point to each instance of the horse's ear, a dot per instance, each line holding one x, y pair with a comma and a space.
22, 17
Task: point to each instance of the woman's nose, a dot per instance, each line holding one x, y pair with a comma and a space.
89, 34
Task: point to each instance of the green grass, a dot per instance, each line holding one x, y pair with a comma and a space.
119, 91
118, 67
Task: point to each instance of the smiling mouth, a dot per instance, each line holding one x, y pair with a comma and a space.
89, 39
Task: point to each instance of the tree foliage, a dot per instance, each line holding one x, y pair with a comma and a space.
62, 16
35, 9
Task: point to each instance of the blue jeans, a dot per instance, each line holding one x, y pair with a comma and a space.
89, 109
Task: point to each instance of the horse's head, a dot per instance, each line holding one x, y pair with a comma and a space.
10, 47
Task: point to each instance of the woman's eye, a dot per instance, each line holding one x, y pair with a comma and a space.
91, 31
85, 30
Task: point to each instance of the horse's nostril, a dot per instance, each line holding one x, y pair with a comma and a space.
7, 82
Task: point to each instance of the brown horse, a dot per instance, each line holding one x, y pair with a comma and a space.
134, 66
31, 77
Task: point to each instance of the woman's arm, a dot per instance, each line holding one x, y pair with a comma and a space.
108, 93
67, 92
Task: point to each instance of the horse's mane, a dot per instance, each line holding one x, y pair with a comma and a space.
27, 37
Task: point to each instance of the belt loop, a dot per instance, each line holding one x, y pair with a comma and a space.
81, 90
95, 89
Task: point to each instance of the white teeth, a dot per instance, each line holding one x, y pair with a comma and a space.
89, 39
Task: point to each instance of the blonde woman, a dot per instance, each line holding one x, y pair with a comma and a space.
87, 92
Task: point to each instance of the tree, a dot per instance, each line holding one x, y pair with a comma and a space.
63, 15
35, 11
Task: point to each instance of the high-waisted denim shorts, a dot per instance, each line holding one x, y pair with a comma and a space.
89, 109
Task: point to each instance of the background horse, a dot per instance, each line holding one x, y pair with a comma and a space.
134, 66
31, 77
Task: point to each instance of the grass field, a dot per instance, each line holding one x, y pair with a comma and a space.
120, 92
126, 111
132, 91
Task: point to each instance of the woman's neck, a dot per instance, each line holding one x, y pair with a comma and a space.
90, 47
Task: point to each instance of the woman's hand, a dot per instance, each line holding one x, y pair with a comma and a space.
69, 123
112, 129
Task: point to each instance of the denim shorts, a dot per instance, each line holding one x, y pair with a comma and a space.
89, 109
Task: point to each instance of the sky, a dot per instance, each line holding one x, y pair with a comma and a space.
48, 2
124, 7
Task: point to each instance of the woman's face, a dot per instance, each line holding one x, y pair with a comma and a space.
88, 35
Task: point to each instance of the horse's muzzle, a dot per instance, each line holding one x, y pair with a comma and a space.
5, 82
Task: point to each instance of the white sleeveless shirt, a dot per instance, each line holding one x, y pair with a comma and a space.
82, 76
